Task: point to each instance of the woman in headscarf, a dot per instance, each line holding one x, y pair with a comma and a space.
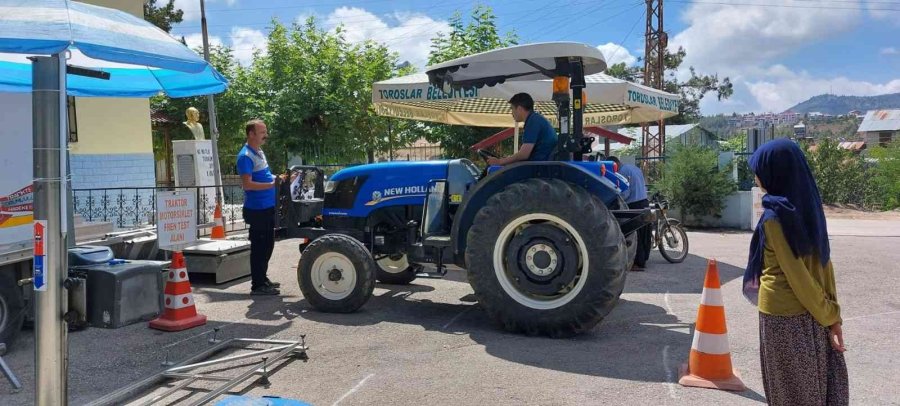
790, 278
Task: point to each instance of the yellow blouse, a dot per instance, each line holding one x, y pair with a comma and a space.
790, 286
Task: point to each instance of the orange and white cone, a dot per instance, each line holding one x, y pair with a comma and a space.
218, 230
180, 312
709, 365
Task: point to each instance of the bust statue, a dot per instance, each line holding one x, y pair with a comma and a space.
193, 123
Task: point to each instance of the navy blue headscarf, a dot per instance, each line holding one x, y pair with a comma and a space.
792, 198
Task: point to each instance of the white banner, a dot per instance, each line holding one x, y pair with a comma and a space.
176, 219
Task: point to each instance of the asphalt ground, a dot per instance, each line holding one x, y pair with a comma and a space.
430, 343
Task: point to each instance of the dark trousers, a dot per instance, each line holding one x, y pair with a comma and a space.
643, 236
262, 242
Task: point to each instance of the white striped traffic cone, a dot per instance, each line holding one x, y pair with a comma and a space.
709, 365
180, 312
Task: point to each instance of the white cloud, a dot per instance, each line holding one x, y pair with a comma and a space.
196, 40
788, 88
191, 8
746, 43
889, 51
615, 53
728, 39
244, 41
410, 35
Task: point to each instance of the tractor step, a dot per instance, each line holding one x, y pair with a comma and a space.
436, 274
440, 241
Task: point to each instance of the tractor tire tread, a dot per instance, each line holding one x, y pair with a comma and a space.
607, 256
364, 266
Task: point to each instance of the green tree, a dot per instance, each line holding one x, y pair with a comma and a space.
692, 181
320, 104
884, 184
840, 174
692, 91
163, 17
232, 110
478, 35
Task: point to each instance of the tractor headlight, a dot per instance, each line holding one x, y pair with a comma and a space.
329, 186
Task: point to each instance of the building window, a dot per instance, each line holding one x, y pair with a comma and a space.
885, 138
73, 122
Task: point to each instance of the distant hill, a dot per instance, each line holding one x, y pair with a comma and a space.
831, 104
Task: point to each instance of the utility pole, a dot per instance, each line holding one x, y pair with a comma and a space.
654, 145
213, 124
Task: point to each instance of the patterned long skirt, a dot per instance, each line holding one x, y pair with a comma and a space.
799, 367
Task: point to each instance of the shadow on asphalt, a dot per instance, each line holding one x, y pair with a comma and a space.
654, 342
98, 363
686, 277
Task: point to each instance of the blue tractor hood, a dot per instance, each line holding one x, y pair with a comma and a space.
359, 190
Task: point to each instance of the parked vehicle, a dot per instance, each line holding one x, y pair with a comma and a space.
16, 206
668, 233
545, 245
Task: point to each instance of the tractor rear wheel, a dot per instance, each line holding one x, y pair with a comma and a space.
546, 257
336, 274
395, 270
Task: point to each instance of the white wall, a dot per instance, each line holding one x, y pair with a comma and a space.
737, 213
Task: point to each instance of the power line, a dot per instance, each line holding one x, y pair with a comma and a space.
528, 12
622, 44
817, 7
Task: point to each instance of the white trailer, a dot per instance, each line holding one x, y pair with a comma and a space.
16, 205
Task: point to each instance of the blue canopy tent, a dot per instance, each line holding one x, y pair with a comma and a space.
55, 48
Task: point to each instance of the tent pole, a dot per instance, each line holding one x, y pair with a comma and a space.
213, 124
50, 227
515, 136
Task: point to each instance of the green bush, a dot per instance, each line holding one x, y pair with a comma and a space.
884, 177
692, 182
840, 173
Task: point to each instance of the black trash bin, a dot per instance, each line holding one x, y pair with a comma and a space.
119, 292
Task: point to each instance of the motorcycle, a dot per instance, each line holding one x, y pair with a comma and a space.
668, 234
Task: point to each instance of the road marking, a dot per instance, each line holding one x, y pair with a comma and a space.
355, 388
670, 375
871, 315
668, 305
456, 317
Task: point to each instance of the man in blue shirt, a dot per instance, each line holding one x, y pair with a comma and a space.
539, 137
259, 206
636, 198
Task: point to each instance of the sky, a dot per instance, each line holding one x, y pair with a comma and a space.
776, 52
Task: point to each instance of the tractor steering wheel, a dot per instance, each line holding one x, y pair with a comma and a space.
485, 154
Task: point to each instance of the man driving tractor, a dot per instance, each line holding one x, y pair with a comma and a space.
539, 139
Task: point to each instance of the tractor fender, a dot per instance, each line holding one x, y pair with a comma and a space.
476, 198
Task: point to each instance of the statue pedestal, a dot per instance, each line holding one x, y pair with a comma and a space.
194, 166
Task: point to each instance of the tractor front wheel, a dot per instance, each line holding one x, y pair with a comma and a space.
546, 258
336, 274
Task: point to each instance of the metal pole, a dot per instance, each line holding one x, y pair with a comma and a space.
213, 124
49, 137
390, 142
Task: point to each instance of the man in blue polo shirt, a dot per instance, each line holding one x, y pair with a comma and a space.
636, 198
539, 137
259, 206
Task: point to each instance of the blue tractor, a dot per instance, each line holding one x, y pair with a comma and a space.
545, 245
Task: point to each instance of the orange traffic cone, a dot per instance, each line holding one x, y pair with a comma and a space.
709, 365
218, 231
180, 312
